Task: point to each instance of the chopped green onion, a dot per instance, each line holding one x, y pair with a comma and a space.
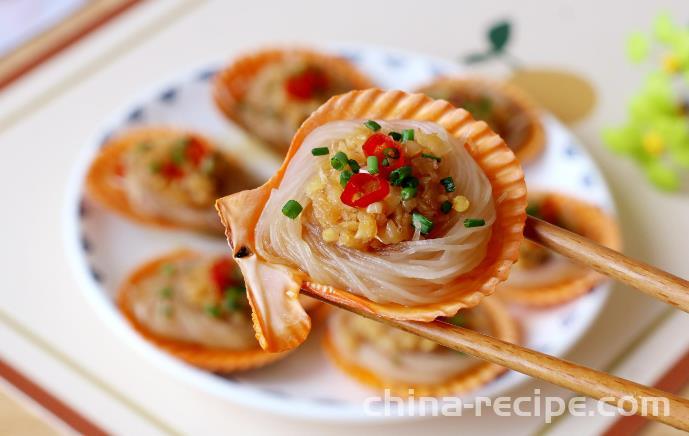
397, 176
372, 164
410, 182
183, 141
339, 161
233, 296
292, 209
423, 224
155, 167
446, 207
449, 184
372, 125
354, 165
395, 135
168, 311
430, 156
386, 162
391, 152
178, 154
408, 134
213, 310
408, 193
474, 222
166, 292
345, 176
319, 151
168, 269
207, 165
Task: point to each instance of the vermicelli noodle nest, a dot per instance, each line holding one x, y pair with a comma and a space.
355, 249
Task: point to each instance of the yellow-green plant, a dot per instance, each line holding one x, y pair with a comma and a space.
656, 133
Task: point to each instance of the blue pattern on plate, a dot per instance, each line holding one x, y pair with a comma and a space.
394, 61
136, 115
206, 75
168, 96
571, 151
98, 277
352, 56
587, 180
82, 211
85, 244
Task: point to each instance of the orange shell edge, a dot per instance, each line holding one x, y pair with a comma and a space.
230, 84
535, 143
105, 163
504, 327
212, 359
597, 226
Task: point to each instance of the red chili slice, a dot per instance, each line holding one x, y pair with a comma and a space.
307, 84
171, 171
363, 189
120, 169
385, 149
195, 151
222, 273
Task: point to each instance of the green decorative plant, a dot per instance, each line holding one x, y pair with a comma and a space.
498, 36
656, 133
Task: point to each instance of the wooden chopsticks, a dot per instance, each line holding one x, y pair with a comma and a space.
580, 379
646, 278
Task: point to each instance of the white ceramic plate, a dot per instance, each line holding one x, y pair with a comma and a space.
104, 247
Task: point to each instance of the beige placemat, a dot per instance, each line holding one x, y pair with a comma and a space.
19, 418
47, 44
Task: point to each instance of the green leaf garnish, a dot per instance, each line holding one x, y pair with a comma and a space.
397, 176
499, 35
292, 209
420, 222
448, 183
166, 292
408, 193
372, 164
213, 310
474, 222
372, 125
430, 156
339, 161
319, 151
395, 136
344, 177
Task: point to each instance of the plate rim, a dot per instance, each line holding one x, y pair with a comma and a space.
243, 394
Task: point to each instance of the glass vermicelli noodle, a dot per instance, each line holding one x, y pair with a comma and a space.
414, 271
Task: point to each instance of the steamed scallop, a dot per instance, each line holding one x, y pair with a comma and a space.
165, 177
271, 92
387, 200
507, 110
543, 278
195, 307
384, 357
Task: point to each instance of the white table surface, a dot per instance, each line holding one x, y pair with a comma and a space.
49, 331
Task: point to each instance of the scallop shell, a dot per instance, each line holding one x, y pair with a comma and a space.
534, 142
587, 220
503, 327
241, 211
212, 359
98, 179
230, 85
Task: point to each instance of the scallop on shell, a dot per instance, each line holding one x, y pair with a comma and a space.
273, 289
